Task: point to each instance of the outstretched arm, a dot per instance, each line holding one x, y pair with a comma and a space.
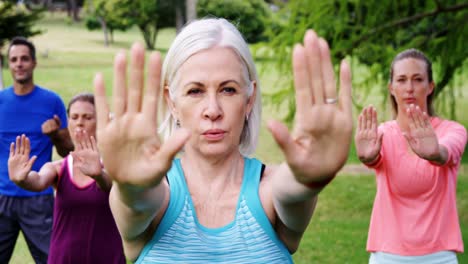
422, 138
319, 144
19, 167
131, 150
60, 137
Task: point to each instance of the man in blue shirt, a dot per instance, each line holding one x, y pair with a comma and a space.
40, 114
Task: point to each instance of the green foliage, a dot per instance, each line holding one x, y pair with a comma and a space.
251, 17
148, 15
372, 32
111, 13
16, 20
145, 15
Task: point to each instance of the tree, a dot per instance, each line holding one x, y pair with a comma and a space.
252, 17
108, 15
148, 15
152, 15
15, 20
372, 32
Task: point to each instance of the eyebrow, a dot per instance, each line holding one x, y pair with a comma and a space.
412, 75
221, 84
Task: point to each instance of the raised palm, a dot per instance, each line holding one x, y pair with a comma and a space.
86, 155
319, 144
19, 163
367, 139
129, 144
421, 136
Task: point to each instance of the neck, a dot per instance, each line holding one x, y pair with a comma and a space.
22, 89
213, 173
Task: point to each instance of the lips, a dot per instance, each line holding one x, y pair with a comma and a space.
78, 130
214, 134
409, 100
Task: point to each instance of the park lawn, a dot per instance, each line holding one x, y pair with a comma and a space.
68, 58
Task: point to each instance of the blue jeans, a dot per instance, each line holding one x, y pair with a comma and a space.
33, 216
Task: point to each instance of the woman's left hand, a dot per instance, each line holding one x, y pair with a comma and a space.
319, 143
421, 136
86, 155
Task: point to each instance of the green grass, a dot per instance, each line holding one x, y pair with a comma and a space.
338, 230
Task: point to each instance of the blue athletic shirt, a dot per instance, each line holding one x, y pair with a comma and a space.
25, 114
249, 238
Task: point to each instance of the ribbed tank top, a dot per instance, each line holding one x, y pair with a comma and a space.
84, 230
249, 238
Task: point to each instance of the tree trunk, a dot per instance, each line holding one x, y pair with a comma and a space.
150, 33
47, 4
104, 30
72, 10
191, 10
111, 34
179, 16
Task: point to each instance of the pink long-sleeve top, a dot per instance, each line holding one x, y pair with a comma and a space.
415, 210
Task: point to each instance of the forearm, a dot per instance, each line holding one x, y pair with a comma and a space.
62, 142
294, 202
33, 182
134, 208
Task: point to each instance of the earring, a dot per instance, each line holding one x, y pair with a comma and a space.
177, 123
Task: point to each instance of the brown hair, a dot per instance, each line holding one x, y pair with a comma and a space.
82, 97
419, 55
16, 41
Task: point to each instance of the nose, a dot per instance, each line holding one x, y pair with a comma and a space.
80, 121
410, 87
213, 109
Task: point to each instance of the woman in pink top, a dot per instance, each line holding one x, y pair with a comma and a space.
416, 158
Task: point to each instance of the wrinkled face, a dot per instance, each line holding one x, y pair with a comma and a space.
81, 117
410, 84
211, 101
21, 64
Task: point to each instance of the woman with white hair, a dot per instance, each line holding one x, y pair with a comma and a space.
214, 204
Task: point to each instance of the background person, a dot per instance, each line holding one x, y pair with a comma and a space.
26, 108
84, 230
214, 204
416, 158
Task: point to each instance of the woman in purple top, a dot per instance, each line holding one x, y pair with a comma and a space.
83, 230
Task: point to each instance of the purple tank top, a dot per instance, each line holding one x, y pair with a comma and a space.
84, 230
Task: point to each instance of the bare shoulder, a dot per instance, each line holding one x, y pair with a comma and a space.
56, 165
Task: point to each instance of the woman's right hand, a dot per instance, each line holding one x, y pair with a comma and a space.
131, 150
367, 139
19, 163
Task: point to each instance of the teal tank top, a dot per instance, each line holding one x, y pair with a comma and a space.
249, 238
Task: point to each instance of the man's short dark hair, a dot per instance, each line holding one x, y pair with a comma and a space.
23, 41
